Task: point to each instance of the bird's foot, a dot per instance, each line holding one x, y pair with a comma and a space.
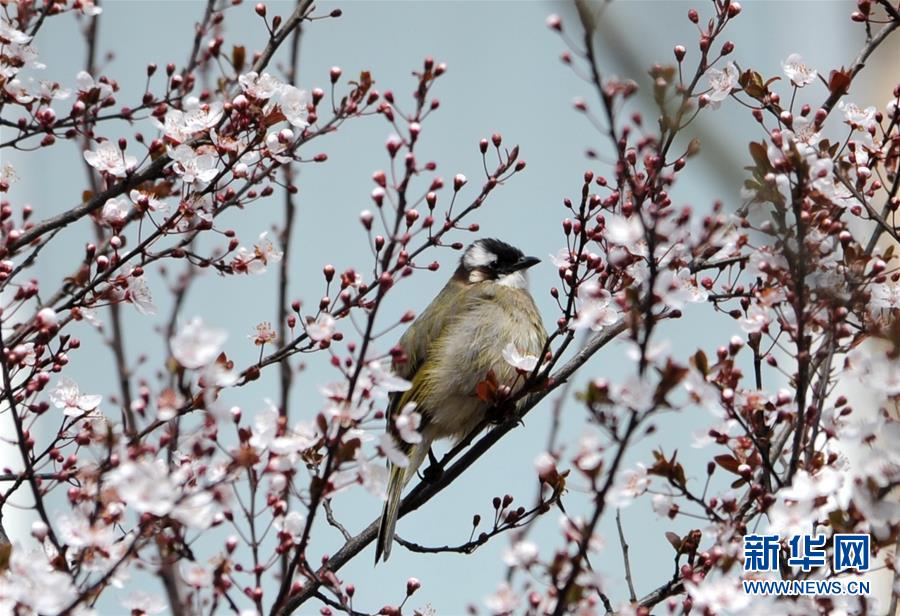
435, 470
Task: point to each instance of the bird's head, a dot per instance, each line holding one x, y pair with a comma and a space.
491, 259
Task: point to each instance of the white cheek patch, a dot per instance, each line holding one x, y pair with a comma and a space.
516, 280
478, 256
477, 276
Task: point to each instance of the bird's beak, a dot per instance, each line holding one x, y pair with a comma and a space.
525, 262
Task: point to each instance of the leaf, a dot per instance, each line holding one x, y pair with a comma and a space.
486, 390
759, 155
675, 540
700, 362
238, 57
728, 462
839, 81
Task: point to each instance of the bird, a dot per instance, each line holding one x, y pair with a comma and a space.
454, 345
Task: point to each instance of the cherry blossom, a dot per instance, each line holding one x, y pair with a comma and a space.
66, 395
193, 166
502, 602
108, 158
115, 211
85, 85
196, 345
30, 581
391, 451
292, 525
19, 91
758, 317
518, 360
596, 309
322, 328
718, 595
521, 554
886, 295
628, 486
373, 476
407, 423
257, 259
259, 86
265, 427
678, 287
143, 603
9, 35
47, 317
195, 575
148, 201
797, 71
263, 334
294, 103
722, 82
138, 294
382, 381
623, 230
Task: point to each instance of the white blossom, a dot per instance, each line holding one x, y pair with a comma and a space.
628, 486
259, 86
144, 603
407, 423
389, 448
108, 158
8, 34
195, 575
521, 554
797, 71
503, 602
758, 317
30, 584
722, 82
196, 345
382, 381
322, 328
193, 166
138, 293
149, 201
622, 230
66, 395
86, 84
374, 477
885, 294
115, 211
518, 360
257, 259
596, 308
718, 596
294, 105
292, 525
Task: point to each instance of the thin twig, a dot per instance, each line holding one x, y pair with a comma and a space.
628, 577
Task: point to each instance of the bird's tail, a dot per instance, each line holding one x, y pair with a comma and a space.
398, 479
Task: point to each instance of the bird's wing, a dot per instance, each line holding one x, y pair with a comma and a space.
427, 327
417, 339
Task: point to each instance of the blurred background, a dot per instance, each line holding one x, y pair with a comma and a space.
504, 76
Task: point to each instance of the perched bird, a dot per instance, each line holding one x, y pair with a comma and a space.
452, 347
